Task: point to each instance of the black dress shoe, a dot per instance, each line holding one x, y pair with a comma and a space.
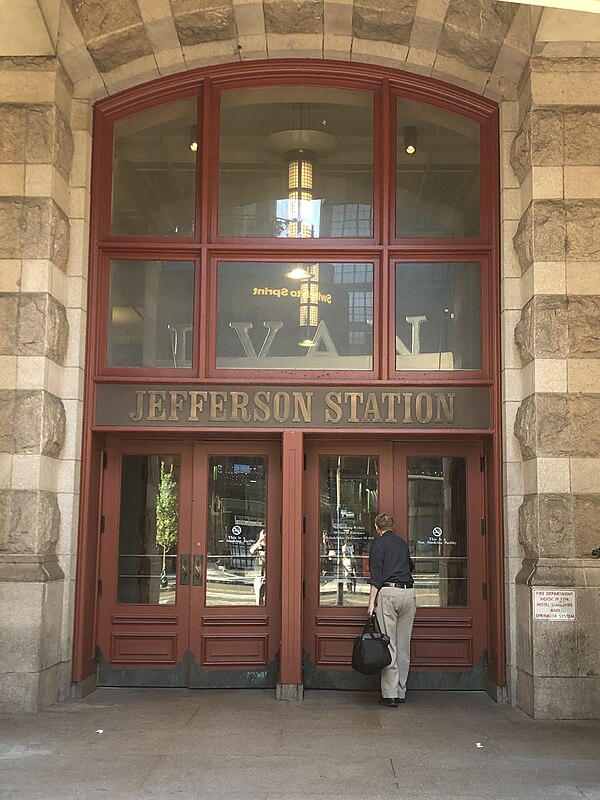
389, 702
398, 700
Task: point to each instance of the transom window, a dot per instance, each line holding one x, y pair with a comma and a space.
299, 223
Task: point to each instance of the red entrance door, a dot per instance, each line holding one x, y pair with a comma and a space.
434, 492
189, 564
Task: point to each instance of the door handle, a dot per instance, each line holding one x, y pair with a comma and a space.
198, 570
184, 569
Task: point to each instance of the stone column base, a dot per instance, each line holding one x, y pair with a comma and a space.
289, 691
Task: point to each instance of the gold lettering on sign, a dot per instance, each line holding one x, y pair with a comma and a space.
217, 399
294, 406
371, 409
239, 407
424, 408
333, 409
197, 400
281, 406
353, 397
302, 405
390, 399
176, 404
407, 397
444, 407
261, 402
135, 416
156, 408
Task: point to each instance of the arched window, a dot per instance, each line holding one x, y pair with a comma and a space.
296, 221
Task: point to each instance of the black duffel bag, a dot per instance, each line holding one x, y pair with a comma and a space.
371, 652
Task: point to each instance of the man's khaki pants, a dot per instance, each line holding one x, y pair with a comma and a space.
396, 613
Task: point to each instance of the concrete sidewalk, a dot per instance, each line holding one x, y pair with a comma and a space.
244, 745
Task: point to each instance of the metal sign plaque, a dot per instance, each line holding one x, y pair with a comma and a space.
554, 604
364, 408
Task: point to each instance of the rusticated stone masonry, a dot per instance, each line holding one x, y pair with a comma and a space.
559, 426
29, 522
559, 525
559, 326
33, 324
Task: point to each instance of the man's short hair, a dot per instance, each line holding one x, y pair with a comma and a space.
384, 522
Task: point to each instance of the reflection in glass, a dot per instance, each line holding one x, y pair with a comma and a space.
154, 172
295, 316
236, 569
150, 321
148, 530
437, 529
437, 178
438, 316
296, 162
348, 507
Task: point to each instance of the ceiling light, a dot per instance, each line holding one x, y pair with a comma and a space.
410, 140
298, 274
194, 138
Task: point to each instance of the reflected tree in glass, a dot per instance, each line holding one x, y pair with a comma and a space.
167, 517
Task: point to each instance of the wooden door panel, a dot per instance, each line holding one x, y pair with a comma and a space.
143, 614
235, 611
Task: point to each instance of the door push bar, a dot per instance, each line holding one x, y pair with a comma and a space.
198, 570
184, 569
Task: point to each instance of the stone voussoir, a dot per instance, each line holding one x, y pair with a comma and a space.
306, 16
474, 32
202, 21
376, 20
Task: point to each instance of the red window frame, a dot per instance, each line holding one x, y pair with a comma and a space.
205, 248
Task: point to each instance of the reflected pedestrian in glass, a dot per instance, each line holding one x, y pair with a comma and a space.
259, 549
393, 598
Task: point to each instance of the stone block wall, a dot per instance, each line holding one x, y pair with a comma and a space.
552, 383
38, 379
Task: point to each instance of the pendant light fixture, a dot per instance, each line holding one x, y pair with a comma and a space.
301, 148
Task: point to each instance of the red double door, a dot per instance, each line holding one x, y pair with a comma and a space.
190, 560
185, 597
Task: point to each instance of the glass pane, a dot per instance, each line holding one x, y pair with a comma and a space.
438, 316
437, 529
348, 506
295, 316
151, 306
148, 530
437, 173
154, 172
236, 568
296, 162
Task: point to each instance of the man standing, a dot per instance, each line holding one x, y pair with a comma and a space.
393, 593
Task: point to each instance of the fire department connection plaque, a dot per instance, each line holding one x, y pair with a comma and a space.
554, 604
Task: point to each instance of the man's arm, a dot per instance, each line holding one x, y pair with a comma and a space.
372, 598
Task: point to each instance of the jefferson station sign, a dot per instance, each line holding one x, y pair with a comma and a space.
135, 406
